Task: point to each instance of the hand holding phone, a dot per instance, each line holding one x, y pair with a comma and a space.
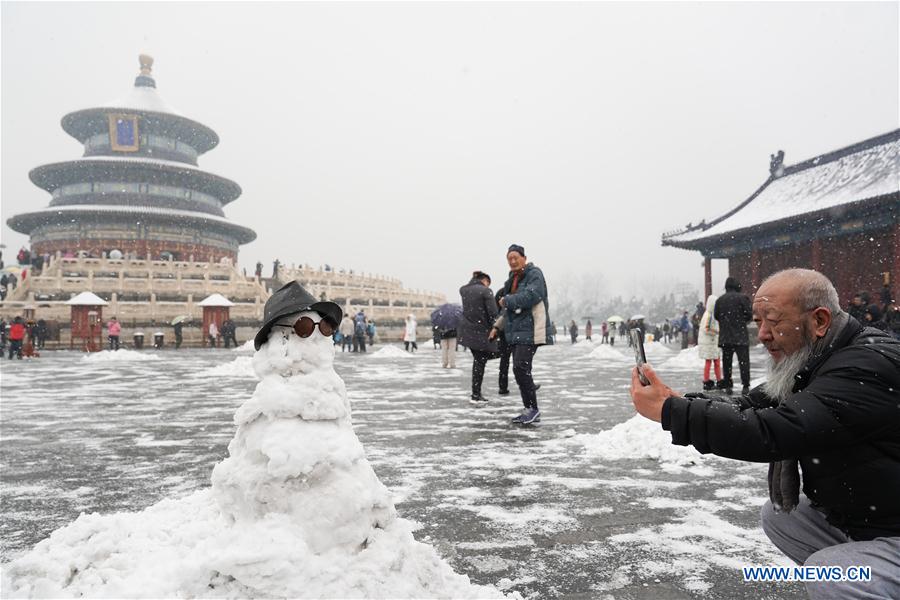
637, 342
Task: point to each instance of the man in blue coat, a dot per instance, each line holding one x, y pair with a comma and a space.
525, 322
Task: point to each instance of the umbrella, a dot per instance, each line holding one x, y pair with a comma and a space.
615, 319
179, 319
637, 317
447, 316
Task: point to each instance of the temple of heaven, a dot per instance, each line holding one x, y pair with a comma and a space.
137, 189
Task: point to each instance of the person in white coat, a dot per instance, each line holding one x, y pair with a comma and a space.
409, 336
708, 344
212, 333
347, 328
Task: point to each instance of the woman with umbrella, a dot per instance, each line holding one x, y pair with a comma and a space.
178, 326
613, 326
446, 318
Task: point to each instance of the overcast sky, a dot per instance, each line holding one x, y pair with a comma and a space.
419, 140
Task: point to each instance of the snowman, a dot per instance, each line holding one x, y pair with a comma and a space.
295, 456
295, 510
297, 474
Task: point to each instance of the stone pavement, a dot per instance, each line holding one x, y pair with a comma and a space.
571, 508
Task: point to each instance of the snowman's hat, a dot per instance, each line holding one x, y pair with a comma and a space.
291, 298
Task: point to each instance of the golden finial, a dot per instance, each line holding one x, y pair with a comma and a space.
146, 64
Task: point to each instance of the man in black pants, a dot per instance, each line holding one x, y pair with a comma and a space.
525, 321
479, 313
505, 352
733, 312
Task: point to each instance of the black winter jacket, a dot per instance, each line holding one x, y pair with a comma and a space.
733, 312
842, 423
479, 313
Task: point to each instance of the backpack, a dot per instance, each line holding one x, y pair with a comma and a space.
359, 328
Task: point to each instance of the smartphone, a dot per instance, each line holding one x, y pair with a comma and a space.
637, 341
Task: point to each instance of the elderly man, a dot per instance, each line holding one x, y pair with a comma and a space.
830, 406
525, 322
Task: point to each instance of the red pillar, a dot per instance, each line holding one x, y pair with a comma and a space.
707, 276
816, 255
895, 268
754, 269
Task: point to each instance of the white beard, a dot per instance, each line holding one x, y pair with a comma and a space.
781, 376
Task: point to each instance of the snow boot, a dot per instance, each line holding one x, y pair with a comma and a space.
745, 390
503, 392
708, 385
478, 399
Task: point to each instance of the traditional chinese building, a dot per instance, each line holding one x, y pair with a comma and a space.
137, 189
837, 213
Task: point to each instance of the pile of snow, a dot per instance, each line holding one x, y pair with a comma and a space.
656, 352
294, 511
638, 437
245, 347
118, 356
241, 367
585, 343
390, 352
688, 359
608, 354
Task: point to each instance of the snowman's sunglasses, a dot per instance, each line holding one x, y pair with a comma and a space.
304, 327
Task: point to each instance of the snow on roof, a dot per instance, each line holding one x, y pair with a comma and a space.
215, 300
141, 160
87, 299
843, 177
142, 98
245, 234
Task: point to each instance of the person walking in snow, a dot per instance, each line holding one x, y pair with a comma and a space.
346, 330
684, 326
41, 333
479, 313
179, 334
708, 344
573, 331
3, 335
212, 333
16, 338
525, 319
229, 330
448, 348
733, 312
588, 330
604, 332
409, 334
695, 322
113, 331
359, 332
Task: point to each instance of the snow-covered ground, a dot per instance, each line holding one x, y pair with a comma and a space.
594, 501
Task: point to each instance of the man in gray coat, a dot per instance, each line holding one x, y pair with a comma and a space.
479, 313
